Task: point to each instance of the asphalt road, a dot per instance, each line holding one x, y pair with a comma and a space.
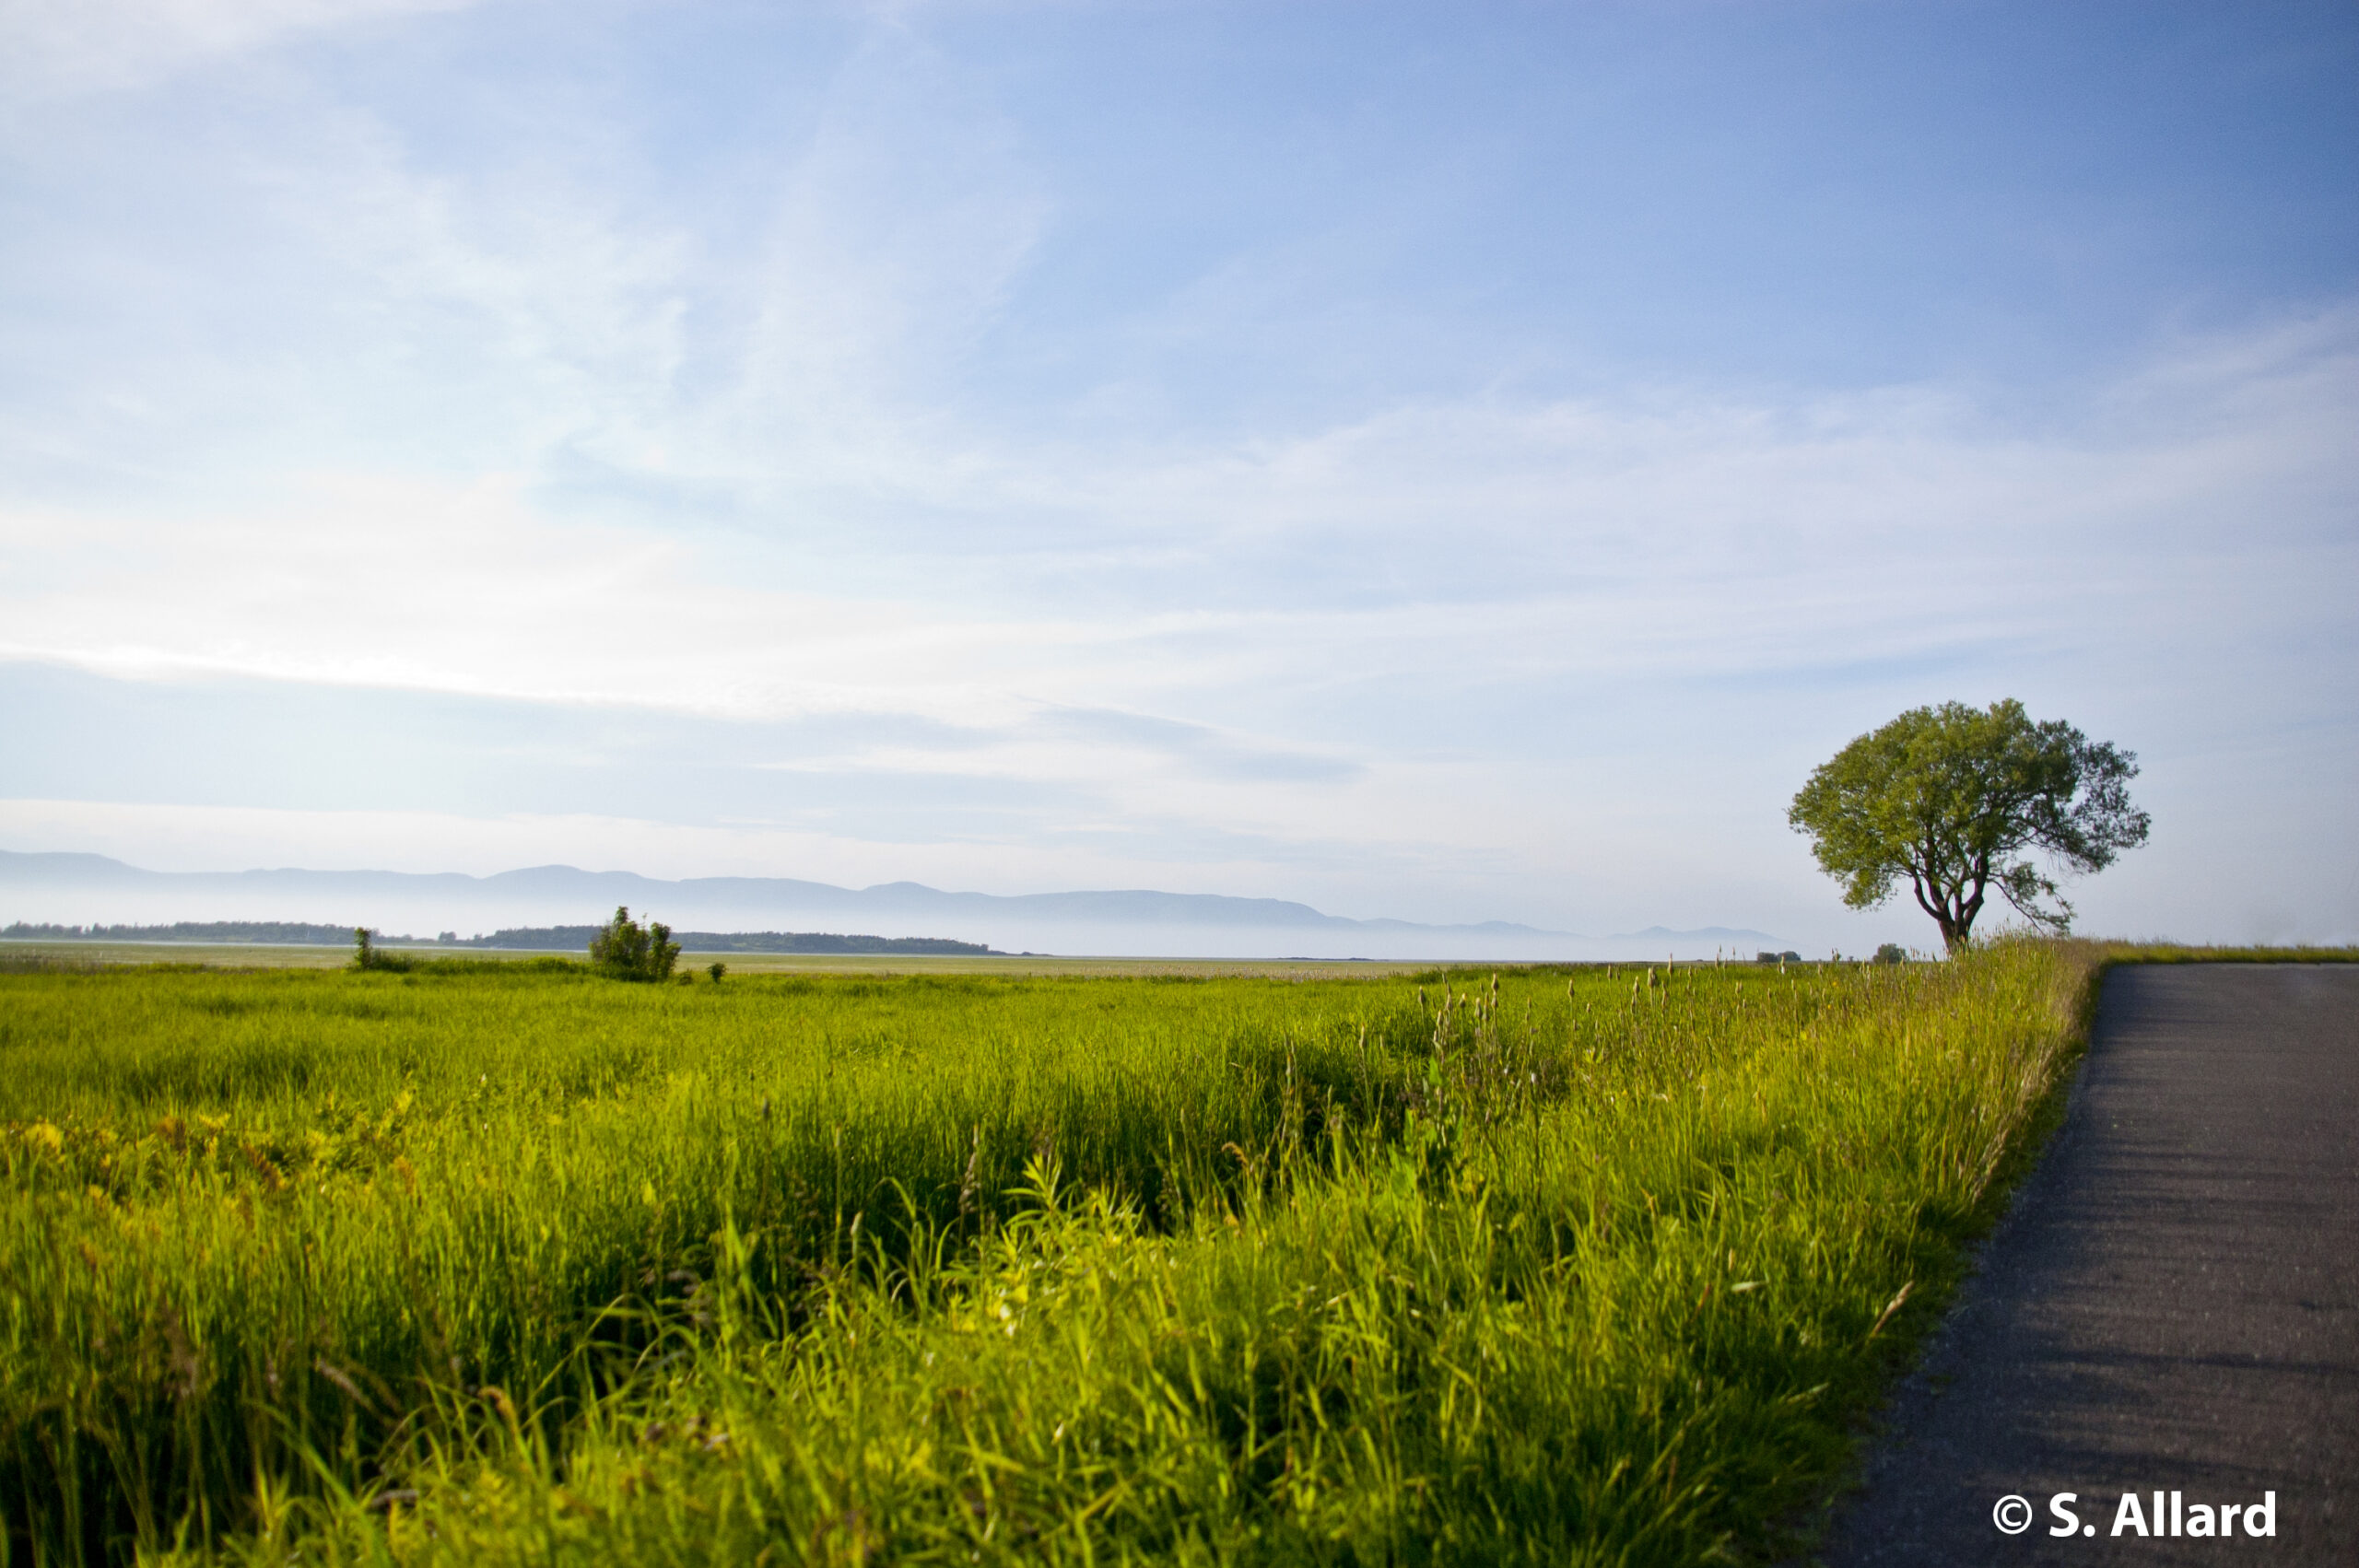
2172, 1303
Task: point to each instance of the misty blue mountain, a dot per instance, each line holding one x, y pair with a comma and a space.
79, 889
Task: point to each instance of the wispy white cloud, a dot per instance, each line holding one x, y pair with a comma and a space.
54, 50
1577, 542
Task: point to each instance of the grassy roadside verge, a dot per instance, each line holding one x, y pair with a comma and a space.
2112, 953
2101, 957
1559, 1272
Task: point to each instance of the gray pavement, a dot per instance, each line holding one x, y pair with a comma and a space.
2172, 1302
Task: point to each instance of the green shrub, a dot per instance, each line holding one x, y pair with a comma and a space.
367, 955
628, 951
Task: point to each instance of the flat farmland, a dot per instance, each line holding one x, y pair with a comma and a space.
292, 955
502, 1262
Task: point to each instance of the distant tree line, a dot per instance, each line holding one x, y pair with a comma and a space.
568, 938
548, 939
186, 931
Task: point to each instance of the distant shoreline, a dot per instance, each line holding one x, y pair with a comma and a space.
88, 954
520, 939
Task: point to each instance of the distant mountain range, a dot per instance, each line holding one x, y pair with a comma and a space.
605, 889
1700, 933
54, 887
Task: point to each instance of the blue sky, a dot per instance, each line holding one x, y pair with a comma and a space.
1450, 462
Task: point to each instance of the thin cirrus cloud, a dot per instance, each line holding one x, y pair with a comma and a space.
99, 46
1705, 541
892, 449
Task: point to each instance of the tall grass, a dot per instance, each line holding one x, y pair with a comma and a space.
519, 1265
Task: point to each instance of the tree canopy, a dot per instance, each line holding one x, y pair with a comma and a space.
1954, 798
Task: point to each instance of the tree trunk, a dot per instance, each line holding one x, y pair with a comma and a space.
1954, 927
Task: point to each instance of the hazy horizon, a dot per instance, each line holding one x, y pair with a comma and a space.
38, 890
1453, 464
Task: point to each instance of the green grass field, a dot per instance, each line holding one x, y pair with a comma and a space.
505, 1263
33, 956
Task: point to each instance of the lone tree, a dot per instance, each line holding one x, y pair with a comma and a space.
628, 951
1952, 798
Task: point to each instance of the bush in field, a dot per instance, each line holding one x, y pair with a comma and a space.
628, 951
365, 954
